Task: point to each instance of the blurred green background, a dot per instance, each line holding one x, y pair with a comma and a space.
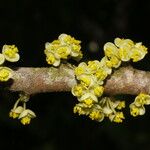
29, 24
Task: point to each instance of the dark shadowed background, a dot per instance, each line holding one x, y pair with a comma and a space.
29, 24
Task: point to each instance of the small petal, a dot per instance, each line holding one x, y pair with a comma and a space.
14, 59
88, 96
142, 110
27, 112
2, 59
137, 54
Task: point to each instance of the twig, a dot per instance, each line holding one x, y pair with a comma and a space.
125, 80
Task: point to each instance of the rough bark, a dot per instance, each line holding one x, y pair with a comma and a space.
125, 80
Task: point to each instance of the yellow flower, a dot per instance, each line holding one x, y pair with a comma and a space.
124, 53
125, 46
2, 59
121, 105
113, 62
101, 74
76, 48
135, 111
11, 53
141, 47
93, 66
137, 54
78, 109
5, 73
86, 80
142, 99
63, 52
118, 117
15, 112
110, 50
88, 102
73, 44
105, 66
51, 47
26, 116
96, 115
81, 69
26, 120
98, 90
52, 60
13, 115
77, 90
75, 51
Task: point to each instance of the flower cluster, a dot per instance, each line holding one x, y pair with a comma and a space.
90, 79
9, 53
137, 107
124, 50
89, 91
62, 48
106, 107
20, 112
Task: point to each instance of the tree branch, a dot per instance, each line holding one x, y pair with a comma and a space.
125, 80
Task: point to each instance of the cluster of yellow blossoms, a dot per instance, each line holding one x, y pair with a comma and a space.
9, 53
124, 50
20, 112
61, 49
137, 107
105, 107
89, 91
91, 76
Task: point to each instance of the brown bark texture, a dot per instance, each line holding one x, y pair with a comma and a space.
125, 80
